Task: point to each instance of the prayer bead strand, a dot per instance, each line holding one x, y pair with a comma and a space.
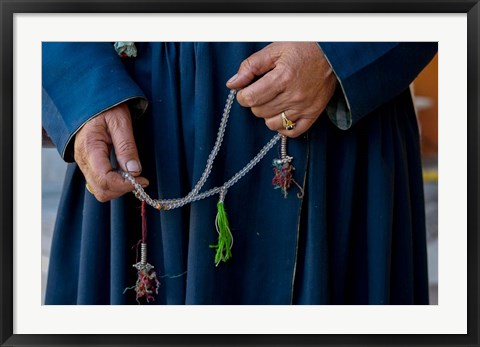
194, 194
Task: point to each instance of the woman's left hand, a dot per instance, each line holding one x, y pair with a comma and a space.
295, 79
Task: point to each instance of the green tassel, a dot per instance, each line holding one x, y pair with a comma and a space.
225, 239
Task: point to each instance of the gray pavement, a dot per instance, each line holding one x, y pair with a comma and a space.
53, 169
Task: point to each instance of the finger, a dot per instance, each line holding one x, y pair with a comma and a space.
255, 65
275, 107
302, 125
111, 185
120, 127
106, 183
264, 90
276, 122
104, 195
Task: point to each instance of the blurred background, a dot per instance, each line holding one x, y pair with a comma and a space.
425, 91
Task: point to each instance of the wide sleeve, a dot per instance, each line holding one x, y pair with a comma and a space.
79, 81
371, 74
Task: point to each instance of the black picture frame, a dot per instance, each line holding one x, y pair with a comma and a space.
9, 7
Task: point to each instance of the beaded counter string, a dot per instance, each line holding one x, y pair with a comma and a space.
225, 237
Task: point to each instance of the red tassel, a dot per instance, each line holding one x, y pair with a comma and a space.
283, 176
147, 282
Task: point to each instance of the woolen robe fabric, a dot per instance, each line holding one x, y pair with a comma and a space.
357, 236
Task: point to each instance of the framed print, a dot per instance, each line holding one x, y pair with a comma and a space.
27, 28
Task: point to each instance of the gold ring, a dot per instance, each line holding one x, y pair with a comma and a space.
90, 190
287, 123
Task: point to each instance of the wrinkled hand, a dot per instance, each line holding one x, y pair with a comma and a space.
296, 79
92, 147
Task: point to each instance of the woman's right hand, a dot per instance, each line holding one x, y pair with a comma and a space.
93, 143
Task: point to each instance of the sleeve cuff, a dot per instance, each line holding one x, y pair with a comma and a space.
137, 106
338, 109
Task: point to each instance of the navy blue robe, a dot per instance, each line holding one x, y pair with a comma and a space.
356, 237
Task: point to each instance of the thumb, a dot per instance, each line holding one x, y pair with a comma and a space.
119, 124
255, 65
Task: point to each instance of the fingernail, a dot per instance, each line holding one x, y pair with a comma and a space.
133, 166
233, 78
